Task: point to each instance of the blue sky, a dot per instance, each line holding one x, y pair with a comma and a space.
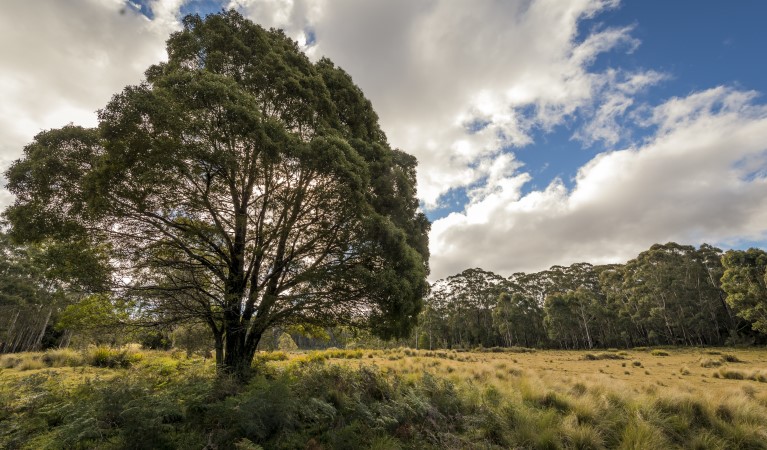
698, 44
547, 131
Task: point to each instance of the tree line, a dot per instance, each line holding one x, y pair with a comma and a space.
670, 294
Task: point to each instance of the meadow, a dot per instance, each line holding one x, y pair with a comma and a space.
402, 398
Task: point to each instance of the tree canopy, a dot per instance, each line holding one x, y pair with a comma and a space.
240, 185
745, 282
670, 294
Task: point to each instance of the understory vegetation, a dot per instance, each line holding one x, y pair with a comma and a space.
386, 399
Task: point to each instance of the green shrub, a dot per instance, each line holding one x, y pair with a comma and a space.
515, 349
112, 358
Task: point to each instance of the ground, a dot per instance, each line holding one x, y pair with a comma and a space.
707, 398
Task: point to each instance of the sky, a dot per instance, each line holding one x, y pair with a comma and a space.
547, 131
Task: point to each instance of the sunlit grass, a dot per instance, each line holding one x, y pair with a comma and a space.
541, 399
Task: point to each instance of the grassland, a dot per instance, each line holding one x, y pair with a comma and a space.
389, 399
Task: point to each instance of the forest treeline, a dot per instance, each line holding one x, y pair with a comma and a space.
670, 294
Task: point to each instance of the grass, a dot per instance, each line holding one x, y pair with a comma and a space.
386, 399
603, 355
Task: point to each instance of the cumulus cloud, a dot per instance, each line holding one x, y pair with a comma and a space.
700, 178
434, 70
60, 63
462, 86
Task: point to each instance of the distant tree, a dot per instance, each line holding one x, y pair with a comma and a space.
463, 304
193, 338
519, 319
96, 319
240, 185
34, 289
286, 343
672, 292
745, 282
569, 317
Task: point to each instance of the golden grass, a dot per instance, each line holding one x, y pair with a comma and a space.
687, 370
638, 401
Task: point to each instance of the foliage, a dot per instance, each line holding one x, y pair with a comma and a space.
34, 290
286, 343
193, 338
669, 294
745, 282
96, 319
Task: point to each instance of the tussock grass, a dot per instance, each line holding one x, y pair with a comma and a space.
103, 356
32, 362
35, 361
602, 355
513, 349
708, 363
738, 374
325, 399
658, 352
730, 358
63, 358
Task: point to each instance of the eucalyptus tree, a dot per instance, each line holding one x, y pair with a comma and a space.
241, 186
519, 320
34, 290
674, 294
745, 282
464, 304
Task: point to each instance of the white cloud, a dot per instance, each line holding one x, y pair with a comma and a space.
431, 67
615, 98
461, 85
61, 62
701, 178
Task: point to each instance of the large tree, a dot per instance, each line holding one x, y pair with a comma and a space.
240, 185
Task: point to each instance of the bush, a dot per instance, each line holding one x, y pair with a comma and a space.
31, 363
708, 363
112, 358
63, 358
262, 357
286, 343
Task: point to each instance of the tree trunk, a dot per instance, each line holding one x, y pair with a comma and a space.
39, 341
219, 345
238, 354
